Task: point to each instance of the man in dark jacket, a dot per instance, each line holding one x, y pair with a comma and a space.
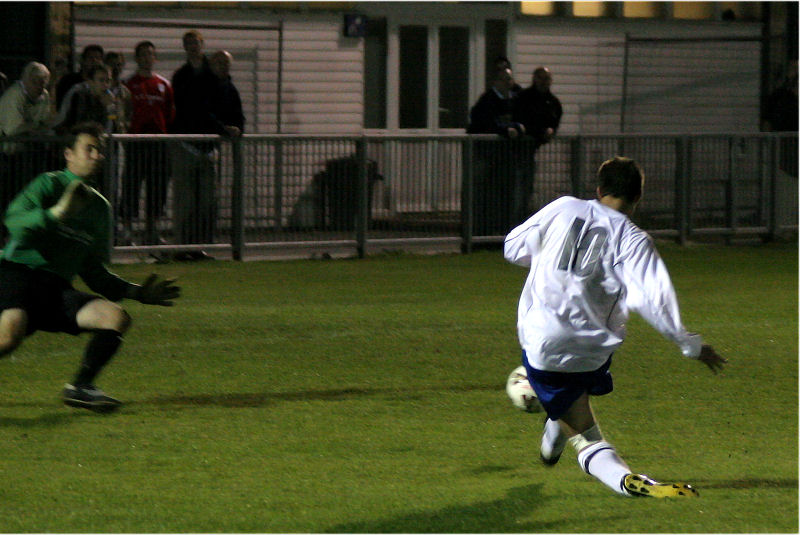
207, 102
539, 111
493, 175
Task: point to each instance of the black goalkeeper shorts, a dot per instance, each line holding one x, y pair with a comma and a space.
51, 302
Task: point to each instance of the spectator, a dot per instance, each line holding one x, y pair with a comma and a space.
25, 105
225, 103
191, 83
153, 112
208, 103
781, 115
539, 110
493, 174
121, 115
493, 113
92, 55
24, 109
87, 101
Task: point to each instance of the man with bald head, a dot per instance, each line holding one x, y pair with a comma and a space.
25, 105
24, 109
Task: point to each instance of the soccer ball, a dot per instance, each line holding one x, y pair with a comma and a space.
519, 390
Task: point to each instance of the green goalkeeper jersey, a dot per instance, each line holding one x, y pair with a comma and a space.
80, 245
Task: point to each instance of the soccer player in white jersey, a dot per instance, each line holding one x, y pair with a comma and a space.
589, 266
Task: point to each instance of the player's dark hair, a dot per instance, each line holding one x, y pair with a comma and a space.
90, 128
141, 45
91, 48
620, 177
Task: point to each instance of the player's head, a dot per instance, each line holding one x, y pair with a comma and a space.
621, 178
83, 149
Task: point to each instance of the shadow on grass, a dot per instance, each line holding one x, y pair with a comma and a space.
52, 419
747, 483
482, 517
263, 399
515, 513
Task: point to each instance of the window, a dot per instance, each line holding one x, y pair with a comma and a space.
375, 74
413, 76
693, 10
419, 76
591, 9
538, 8
453, 77
642, 9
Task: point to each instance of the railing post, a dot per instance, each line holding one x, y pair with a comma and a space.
730, 190
773, 187
237, 200
278, 196
467, 192
682, 188
362, 216
576, 166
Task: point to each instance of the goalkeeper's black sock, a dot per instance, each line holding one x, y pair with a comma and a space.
103, 345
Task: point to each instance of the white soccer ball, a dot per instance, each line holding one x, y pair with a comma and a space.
519, 390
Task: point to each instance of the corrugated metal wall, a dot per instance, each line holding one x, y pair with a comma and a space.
709, 85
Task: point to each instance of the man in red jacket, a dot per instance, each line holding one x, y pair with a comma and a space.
153, 112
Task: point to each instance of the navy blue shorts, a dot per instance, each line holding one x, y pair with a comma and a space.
51, 302
557, 391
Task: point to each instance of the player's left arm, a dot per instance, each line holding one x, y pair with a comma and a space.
155, 290
652, 295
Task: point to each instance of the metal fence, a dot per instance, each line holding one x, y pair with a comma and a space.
275, 195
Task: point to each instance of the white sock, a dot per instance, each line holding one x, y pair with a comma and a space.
601, 461
553, 439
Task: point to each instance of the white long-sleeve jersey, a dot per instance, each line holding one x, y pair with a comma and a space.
589, 265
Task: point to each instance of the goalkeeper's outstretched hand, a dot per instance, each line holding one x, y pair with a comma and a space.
158, 291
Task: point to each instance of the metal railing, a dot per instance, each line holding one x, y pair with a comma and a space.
271, 194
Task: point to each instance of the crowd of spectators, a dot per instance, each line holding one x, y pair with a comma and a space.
201, 98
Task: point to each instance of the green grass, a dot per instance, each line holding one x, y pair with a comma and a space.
367, 396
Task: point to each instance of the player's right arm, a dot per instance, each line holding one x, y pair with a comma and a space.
28, 216
521, 244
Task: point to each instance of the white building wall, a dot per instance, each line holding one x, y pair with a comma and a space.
322, 85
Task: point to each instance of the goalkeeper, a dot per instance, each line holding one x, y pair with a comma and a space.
59, 227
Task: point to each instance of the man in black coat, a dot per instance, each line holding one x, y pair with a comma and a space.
539, 111
493, 172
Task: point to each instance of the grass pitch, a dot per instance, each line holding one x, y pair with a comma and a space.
368, 396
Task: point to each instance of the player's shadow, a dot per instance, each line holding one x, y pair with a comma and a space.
514, 513
263, 399
47, 420
746, 483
